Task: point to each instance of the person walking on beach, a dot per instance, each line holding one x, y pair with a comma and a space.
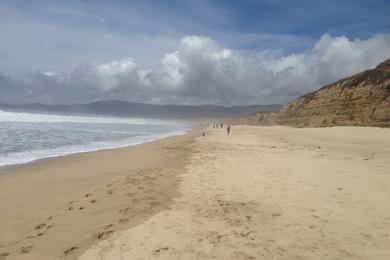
228, 129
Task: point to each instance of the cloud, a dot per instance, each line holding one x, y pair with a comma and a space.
330, 59
202, 71
105, 77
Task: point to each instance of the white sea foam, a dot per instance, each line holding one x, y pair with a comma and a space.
29, 156
7, 116
25, 137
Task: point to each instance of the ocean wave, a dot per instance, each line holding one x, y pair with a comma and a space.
33, 155
26, 137
7, 116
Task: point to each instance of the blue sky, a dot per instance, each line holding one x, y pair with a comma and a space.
352, 18
60, 36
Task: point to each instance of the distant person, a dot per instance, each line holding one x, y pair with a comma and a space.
221, 125
228, 130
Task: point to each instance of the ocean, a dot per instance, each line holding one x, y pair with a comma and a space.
25, 137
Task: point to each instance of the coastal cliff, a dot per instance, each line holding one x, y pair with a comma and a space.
361, 100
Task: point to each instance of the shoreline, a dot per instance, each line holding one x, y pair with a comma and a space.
38, 160
92, 195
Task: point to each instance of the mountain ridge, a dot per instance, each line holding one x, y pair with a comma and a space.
130, 109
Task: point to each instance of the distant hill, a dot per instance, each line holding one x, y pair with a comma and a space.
362, 100
127, 109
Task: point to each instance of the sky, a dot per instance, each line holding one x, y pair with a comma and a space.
185, 52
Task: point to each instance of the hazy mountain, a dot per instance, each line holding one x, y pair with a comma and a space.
122, 108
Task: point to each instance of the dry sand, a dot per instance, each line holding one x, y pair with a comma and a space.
272, 193
262, 193
57, 208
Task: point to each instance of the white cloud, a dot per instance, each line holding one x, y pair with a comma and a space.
202, 71
109, 76
330, 59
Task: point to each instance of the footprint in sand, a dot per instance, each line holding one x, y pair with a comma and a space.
242, 256
87, 195
366, 236
123, 221
49, 226
153, 204
161, 249
245, 234
34, 236
104, 234
70, 250
130, 194
40, 226
125, 210
93, 201
3, 255
108, 226
25, 249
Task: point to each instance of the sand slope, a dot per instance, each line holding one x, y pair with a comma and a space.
272, 193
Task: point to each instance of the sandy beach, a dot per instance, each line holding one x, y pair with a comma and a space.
57, 208
261, 193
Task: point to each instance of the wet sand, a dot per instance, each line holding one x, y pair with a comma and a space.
57, 208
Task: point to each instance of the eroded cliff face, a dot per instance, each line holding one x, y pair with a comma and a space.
363, 100
259, 118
